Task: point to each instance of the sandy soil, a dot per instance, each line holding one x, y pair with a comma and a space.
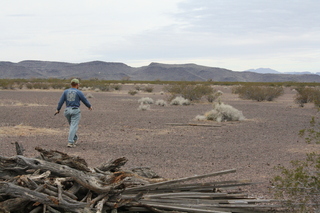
115, 128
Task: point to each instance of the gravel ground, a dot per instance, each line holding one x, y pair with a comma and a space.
115, 128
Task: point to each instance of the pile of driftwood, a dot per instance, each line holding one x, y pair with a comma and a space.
57, 182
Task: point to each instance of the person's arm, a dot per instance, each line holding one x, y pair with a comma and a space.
84, 100
60, 103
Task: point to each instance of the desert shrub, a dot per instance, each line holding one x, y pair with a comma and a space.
102, 87
137, 87
58, 85
29, 85
89, 95
144, 107
148, 88
258, 93
300, 183
7, 85
212, 97
180, 101
146, 100
132, 92
116, 87
189, 91
222, 112
161, 102
307, 95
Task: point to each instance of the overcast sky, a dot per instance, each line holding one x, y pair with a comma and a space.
234, 34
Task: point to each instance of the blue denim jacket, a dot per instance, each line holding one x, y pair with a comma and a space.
72, 97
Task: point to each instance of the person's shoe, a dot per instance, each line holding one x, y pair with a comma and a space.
70, 145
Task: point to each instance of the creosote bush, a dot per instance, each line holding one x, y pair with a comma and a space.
148, 88
180, 101
258, 93
307, 95
132, 92
300, 183
189, 91
222, 112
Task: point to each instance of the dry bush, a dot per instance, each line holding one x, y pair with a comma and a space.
222, 112
258, 93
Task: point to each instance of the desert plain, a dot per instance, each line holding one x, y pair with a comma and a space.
159, 138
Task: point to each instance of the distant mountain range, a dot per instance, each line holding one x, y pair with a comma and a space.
268, 70
154, 71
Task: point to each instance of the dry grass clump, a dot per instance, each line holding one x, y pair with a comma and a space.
307, 95
258, 93
22, 130
222, 112
180, 101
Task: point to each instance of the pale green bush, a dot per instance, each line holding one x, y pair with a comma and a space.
144, 107
222, 112
161, 102
180, 101
299, 184
146, 100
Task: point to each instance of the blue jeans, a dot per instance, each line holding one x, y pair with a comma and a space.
73, 116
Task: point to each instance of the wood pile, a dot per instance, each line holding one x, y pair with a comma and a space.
56, 182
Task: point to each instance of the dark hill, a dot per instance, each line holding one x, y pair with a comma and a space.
154, 71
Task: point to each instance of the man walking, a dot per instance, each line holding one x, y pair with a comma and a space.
72, 97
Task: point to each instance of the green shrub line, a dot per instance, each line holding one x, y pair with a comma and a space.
307, 95
258, 93
61, 83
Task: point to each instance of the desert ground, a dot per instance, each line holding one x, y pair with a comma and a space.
116, 128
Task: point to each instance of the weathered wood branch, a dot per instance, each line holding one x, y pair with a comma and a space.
25, 193
58, 182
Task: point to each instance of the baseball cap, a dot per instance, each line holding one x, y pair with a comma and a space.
76, 81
